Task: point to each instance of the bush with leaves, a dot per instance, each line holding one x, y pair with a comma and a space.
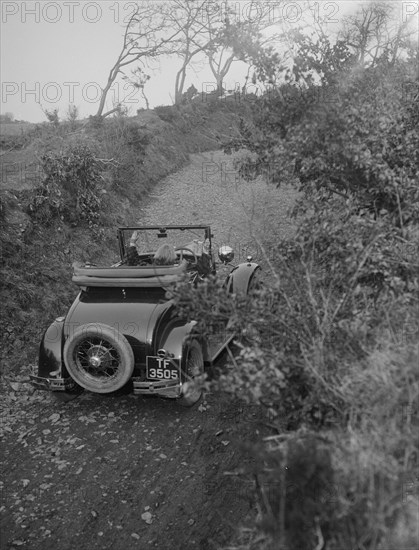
168, 113
13, 142
269, 364
125, 143
70, 189
350, 135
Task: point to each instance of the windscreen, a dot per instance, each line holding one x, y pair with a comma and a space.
148, 240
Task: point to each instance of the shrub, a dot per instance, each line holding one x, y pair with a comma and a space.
352, 138
294, 488
70, 189
168, 113
11, 142
125, 144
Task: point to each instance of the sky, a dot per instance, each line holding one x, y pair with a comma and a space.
56, 54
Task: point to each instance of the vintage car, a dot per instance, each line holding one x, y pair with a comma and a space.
122, 330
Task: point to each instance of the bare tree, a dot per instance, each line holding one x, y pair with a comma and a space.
148, 35
232, 41
217, 34
189, 19
220, 63
220, 52
374, 31
138, 80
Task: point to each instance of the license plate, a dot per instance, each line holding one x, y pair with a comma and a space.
159, 368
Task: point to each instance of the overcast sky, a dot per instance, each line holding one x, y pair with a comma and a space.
54, 54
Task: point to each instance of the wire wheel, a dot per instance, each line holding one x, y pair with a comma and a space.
194, 368
99, 358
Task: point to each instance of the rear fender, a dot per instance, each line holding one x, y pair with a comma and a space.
240, 278
51, 350
175, 341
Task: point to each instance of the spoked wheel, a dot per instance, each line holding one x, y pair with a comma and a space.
194, 368
99, 358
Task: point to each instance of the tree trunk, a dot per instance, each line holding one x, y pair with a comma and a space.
147, 104
179, 84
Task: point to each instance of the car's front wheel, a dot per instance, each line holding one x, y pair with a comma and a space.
193, 370
99, 358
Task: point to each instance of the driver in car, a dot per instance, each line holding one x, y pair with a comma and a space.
165, 255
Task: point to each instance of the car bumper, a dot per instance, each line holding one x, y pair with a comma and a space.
141, 387
169, 388
52, 384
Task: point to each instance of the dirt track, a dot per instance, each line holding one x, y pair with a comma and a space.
123, 472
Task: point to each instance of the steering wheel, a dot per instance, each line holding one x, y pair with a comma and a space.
184, 248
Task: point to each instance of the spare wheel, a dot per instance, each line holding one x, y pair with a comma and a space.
99, 358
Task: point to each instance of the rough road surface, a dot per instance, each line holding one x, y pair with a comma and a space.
122, 472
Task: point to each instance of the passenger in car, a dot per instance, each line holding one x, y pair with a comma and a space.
131, 256
165, 255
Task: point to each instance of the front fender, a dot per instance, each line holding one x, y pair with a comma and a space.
240, 278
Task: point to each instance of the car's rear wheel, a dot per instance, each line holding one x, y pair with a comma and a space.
99, 358
194, 368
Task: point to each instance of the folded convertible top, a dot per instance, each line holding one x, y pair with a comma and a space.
128, 276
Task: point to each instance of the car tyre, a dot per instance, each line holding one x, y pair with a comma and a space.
99, 358
194, 368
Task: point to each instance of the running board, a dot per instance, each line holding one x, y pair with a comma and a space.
219, 349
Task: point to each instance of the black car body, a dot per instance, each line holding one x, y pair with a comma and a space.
122, 329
